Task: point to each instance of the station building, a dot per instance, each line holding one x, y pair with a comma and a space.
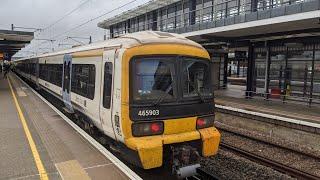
260, 48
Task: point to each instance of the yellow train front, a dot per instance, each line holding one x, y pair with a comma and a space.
168, 105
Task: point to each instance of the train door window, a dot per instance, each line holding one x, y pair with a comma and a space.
83, 80
108, 69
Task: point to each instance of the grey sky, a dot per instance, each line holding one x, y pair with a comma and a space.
42, 13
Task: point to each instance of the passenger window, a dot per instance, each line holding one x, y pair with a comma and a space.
107, 85
83, 80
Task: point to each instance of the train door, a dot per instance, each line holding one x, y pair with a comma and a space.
66, 82
106, 93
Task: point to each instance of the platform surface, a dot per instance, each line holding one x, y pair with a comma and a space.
290, 110
63, 153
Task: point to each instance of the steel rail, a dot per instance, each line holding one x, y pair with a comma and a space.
269, 143
270, 163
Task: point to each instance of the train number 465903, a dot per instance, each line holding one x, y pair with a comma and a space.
148, 113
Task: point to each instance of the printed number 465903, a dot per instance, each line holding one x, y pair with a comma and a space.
148, 112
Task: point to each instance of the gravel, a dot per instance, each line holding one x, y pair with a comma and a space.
287, 157
273, 140
227, 165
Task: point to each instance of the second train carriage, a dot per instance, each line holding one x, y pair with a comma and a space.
147, 91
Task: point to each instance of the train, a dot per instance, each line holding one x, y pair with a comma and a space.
149, 93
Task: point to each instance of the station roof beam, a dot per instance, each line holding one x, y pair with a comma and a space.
12, 41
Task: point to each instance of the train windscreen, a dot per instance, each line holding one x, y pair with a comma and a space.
170, 79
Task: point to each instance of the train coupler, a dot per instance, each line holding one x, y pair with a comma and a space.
185, 161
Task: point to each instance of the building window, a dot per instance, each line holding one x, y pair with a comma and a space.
107, 85
83, 80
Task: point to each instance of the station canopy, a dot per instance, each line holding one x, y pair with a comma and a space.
12, 41
135, 12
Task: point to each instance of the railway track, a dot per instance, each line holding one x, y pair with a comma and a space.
270, 163
269, 143
286, 122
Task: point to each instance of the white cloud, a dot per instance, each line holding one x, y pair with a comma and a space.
42, 13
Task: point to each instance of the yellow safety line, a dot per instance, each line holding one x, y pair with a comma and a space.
35, 153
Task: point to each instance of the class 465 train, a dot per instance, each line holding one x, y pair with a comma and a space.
149, 94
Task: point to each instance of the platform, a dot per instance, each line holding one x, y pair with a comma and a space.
35, 142
236, 98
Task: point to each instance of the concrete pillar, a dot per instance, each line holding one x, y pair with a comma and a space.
154, 20
254, 5
192, 8
286, 76
128, 26
267, 70
225, 70
250, 71
111, 32
312, 76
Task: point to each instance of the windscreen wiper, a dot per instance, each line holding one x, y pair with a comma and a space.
162, 97
202, 98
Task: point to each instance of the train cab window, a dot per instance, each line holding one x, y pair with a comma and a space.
153, 79
108, 69
83, 80
196, 78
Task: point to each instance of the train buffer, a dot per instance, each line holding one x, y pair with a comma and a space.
37, 143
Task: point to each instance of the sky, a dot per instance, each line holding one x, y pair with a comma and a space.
44, 14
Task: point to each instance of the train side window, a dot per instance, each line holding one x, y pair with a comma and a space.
108, 69
83, 80
59, 75
54, 73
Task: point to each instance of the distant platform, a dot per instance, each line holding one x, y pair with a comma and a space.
35, 142
235, 97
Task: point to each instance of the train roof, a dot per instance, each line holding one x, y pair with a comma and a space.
128, 41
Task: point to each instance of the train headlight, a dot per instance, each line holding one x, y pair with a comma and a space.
147, 129
204, 122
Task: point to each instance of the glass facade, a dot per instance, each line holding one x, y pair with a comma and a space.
294, 71
186, 13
